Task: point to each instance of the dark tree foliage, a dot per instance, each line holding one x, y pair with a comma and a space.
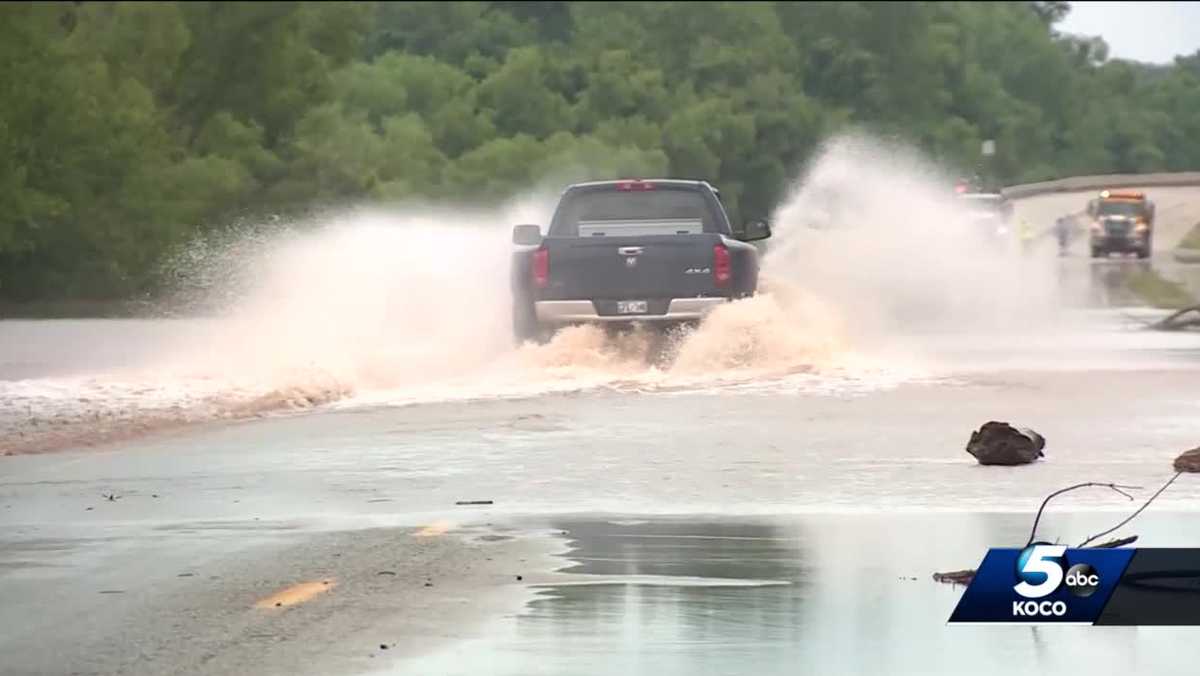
127, 128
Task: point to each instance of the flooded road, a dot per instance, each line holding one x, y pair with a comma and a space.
1116, 402
761, 502
778, 524
820, 595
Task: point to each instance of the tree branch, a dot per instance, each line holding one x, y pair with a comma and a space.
1139, 511
1119, 542
1038, 518
1175, 321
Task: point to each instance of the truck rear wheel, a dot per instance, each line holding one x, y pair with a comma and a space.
526, 326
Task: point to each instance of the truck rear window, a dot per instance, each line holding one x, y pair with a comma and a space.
662, 211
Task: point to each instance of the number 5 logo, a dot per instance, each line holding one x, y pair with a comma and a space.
1043, 559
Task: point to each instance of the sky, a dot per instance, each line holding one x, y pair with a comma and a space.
1154, 32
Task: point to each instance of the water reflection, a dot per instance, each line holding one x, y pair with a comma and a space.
858, 600
1110, 281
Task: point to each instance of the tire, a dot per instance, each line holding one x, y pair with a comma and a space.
1098, 253
1144, 252
525, 324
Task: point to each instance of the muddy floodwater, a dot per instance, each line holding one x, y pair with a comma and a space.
1114, 401
769, 493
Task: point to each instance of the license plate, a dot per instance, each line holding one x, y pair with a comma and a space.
631, 307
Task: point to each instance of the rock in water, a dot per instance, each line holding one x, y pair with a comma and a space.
998, 443
1189, 461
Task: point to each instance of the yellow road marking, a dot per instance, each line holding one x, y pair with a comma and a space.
435, 528
296, 594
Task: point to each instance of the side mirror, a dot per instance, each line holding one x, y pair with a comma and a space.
527, 235
756, 230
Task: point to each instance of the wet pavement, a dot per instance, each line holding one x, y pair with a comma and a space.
820, 595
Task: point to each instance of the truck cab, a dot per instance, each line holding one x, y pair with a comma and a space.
1121, 221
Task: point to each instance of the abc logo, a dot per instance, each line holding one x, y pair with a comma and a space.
1041, 571
1082, 580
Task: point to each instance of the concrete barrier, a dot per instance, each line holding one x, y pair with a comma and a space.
1189, 256
1097, 183
1078, 183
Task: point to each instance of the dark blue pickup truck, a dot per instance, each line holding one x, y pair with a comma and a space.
658, 251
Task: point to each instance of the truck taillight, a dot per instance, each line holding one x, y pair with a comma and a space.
636, 185
541, 268
722, 269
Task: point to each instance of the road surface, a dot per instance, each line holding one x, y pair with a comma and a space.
714, 520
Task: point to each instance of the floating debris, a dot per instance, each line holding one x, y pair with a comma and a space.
963, 577
999, 443
1187, 318
1188, 461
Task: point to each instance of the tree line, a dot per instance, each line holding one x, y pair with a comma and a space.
127, 128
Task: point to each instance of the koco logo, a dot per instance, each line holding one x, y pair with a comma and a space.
1041, 572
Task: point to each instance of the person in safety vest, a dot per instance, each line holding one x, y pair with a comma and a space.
1025, 234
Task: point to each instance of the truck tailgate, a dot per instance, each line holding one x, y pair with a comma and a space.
631, 267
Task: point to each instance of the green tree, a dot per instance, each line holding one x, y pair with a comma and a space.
520, 98
127, 128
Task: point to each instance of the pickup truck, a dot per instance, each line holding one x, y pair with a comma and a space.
657, 251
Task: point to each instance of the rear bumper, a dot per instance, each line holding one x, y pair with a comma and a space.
568, 311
